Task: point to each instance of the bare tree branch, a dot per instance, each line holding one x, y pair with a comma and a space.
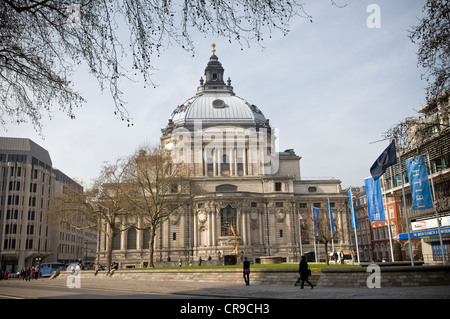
433, 37
43, 42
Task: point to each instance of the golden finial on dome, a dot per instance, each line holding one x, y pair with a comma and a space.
213, 48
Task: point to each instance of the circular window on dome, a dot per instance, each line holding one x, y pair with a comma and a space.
218, 103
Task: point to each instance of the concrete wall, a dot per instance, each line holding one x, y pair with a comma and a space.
274, 276
390, 276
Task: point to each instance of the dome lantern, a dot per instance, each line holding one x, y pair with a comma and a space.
215, 104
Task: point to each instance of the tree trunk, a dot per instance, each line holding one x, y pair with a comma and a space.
151, 247
109, 252
326, 252
110, 234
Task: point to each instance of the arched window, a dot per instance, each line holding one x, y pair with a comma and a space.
227, 220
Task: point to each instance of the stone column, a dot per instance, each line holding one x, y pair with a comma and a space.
245, 227
195, 244
215, 162
214, 227
219, 161
235, 162
139, 235
231, 164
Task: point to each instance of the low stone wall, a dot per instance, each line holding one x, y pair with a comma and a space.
389, 276
266, 276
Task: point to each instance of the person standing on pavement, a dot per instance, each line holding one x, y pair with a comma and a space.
246, 268
303, 269
27, 274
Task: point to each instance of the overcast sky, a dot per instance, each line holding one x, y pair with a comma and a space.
330, 87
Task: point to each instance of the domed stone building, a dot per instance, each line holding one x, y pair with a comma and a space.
248, 195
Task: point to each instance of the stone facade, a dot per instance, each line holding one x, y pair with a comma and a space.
247, 195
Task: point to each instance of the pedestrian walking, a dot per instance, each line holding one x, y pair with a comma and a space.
246, 268
335, 257
304, 271
200, 260
180, 262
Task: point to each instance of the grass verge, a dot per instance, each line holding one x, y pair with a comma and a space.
315, 268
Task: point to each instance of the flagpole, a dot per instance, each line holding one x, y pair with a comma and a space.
388, 218
331, 227
411, 255
314, 234
354, 224
357, 245
435, 210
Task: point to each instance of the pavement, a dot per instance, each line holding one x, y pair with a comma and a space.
218, 290
178, 299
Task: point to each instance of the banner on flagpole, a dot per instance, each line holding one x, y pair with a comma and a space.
374, 200
386, 159
333, 226
418, 180
316, 221
352, 209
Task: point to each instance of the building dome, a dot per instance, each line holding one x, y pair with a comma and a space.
215, 104
213, 109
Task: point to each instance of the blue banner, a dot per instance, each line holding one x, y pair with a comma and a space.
374, 200
418, 180
316, 221
352, 209
333, 226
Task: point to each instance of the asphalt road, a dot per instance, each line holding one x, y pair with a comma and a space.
21, 291
98, 288
213, 300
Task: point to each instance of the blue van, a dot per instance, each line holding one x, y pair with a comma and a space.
46, 269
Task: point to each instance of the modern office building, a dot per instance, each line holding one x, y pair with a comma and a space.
428, 136
28, 181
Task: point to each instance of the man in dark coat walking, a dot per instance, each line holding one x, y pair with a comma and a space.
246, 266
304, 272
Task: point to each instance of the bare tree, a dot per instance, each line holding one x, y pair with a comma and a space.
156, 188
416, 131
42, 42
433, 37
320, 231
101, 207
